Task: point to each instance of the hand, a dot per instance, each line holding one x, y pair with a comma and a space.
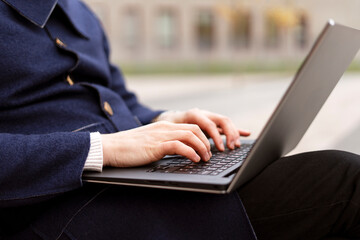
143, 145
211, 123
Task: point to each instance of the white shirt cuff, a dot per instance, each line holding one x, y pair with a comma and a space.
94, 160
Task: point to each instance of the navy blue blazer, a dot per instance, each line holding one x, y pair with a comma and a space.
55, 78
56, 86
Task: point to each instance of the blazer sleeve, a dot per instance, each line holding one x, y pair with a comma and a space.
37, 167
142, 112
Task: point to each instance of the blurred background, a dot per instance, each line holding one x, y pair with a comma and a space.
234, 57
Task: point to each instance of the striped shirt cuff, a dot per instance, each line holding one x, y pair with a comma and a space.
94, 160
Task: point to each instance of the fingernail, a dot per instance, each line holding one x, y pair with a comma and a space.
238, 143
207, 156
198, 158
222, 146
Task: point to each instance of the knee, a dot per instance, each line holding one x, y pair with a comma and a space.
338, 156
334, 159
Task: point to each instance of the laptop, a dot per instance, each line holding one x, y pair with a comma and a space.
327, 61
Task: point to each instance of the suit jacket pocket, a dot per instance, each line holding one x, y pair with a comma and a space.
95, 127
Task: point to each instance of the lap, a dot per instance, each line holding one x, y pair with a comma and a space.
310, 193
135, 213
298, 197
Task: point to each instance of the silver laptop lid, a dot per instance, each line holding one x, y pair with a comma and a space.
330, 56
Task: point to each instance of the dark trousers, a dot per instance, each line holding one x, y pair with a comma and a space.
100, 212
306, 196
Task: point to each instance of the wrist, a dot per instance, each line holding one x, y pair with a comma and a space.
105, 149
170, 116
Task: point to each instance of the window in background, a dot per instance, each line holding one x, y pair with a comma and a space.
301, 31
132, 28
166, 28
272, 33
205, 30
241, 30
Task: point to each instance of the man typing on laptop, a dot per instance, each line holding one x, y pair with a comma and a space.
65, 109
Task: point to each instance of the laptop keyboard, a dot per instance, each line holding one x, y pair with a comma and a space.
219, 162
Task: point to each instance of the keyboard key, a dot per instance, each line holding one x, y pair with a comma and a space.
220, 161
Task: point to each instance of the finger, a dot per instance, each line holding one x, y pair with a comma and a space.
193, 128
229, 130
237, 141
196, 129
241, 133
179, 148
211, 129
192, 140
166, 127
244, 133
220, 130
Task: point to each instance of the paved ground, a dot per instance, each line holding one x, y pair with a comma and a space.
250, 99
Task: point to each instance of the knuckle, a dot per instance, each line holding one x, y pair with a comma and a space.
212, 124
194, 127
188, 134
189, 114
175, 144
188, 151
203, 149
225, 119
192, 112
169, 147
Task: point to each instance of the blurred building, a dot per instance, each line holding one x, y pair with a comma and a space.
144, 31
